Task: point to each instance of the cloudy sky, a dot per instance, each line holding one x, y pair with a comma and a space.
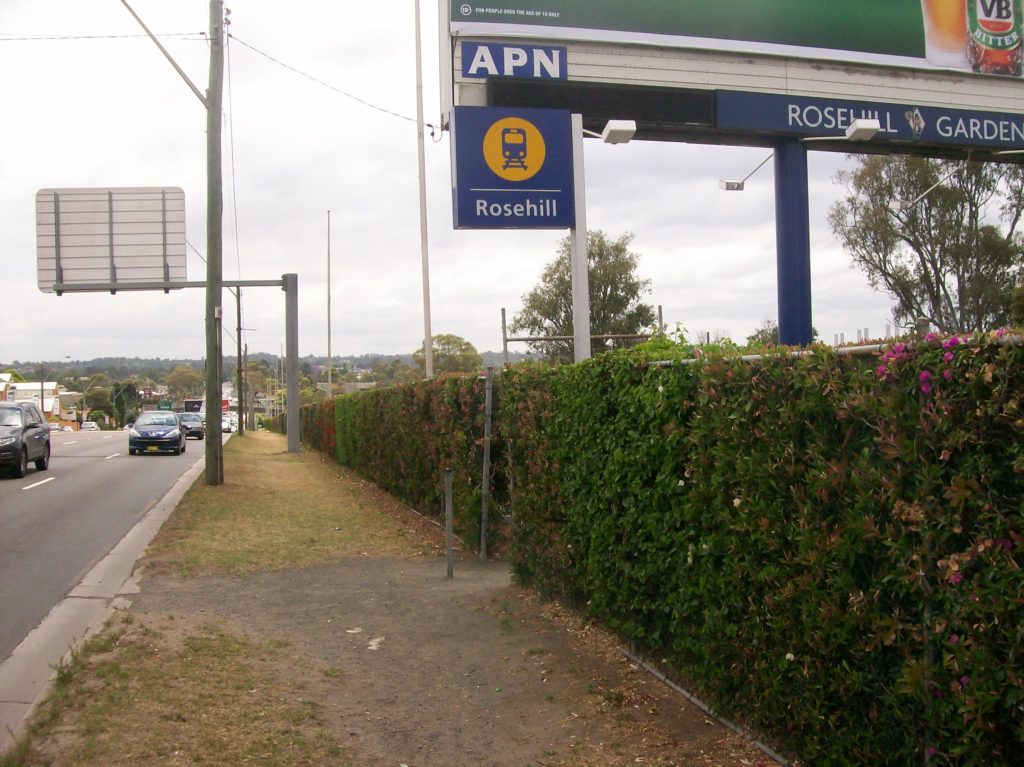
87, 101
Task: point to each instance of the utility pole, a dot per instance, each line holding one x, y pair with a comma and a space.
214, 246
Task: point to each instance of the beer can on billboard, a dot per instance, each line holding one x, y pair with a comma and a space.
994, 36
945, 32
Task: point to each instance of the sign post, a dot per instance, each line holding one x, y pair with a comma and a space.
580, 270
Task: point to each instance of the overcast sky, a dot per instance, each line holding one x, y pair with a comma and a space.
87, 101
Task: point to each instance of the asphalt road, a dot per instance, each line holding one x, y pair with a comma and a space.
56, 524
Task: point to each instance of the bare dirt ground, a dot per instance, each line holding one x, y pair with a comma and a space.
365, 655
472, 671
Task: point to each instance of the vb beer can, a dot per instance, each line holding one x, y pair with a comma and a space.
994, 36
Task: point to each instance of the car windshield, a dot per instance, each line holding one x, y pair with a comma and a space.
190, 417
10, 416
156, 419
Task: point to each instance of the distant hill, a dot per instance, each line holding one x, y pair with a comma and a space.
120, 368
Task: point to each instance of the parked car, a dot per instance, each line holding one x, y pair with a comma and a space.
193, 424
89, 426
226, 425
156, 431
54, 426
24, 437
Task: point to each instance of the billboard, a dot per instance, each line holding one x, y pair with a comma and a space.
982, 36
116, 236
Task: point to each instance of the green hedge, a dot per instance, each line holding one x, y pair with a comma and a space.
825, 547
403, 438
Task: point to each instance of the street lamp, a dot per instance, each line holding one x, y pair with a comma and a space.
615, 132
858, 130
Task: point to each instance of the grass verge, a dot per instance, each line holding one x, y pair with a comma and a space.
278, 510
169, 693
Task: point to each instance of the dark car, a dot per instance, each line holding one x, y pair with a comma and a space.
24, 437
156, 431
193, 424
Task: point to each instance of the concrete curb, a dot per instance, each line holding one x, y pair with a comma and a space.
26, 676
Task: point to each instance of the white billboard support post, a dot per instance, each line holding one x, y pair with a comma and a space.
580, 270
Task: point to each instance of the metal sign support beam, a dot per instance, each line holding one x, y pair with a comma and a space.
793, 243
289, 283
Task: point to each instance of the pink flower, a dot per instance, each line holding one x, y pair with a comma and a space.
883, 371
956, 578
926, 388
950, 342
965, 680
947, 357
954, 639
925, 379
1005, 543
947, 374
1002, 332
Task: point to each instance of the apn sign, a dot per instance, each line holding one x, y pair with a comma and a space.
513, 168
524, 61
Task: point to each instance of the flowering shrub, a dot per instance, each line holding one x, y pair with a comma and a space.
828, 548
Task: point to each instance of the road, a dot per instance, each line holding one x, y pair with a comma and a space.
56, 524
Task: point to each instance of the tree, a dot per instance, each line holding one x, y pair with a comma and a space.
452, 354
954, 256
124, 399
766, 334
615, 307
183, 381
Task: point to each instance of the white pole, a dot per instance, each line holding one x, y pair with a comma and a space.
330, 387
578, 250
428, 339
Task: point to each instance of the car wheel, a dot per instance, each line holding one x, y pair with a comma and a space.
132, 451
21, 468
43, 461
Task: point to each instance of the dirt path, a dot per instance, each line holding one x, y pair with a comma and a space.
409, 668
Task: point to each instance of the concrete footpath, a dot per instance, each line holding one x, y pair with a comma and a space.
25, 677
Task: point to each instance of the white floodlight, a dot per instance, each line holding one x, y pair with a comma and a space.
863, 130
618, 131
730, 186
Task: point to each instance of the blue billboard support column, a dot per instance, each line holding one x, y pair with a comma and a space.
793, 242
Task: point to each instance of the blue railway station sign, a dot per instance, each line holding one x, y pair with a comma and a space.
512, 168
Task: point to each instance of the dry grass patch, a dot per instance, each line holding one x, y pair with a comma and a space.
278, 510
171, 692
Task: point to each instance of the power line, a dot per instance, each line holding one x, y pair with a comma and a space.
318, 81
7, 38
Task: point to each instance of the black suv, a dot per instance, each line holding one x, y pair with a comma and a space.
24, 437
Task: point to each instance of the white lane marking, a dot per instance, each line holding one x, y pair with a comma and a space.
71, 442
115, 455
37, 484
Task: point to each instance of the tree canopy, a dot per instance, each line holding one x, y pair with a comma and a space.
954, 255
452, 354
183, 381
615, 305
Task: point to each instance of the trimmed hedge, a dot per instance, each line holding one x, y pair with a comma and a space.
826, 547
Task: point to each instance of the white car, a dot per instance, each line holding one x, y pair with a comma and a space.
226, 425
89, 426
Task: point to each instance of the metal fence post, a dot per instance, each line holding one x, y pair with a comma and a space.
485, 488
448, 532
